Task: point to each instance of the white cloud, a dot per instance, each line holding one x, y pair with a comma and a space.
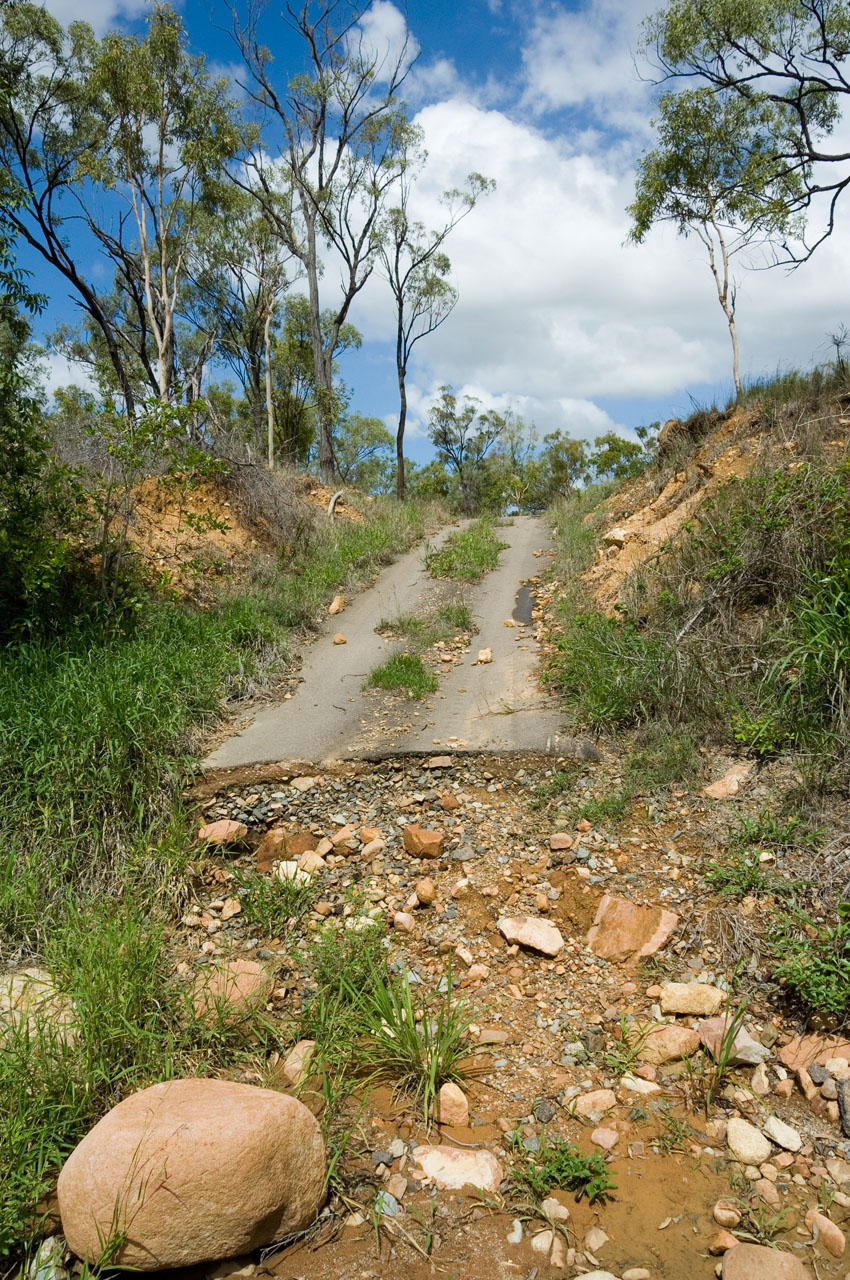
382, 37
99, 14
556, 313
584, 59
57, 371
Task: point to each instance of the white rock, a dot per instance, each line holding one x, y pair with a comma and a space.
635, 1084
452, 1169
595, 1239
529, 931
554, 1210
782, 1134
746, 1142
514, 1236
542, 1242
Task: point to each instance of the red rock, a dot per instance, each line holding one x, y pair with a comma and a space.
528, 931
191, 1171
231, 990
423, 843
729, 784
623, 930
425, 891
757, 1262
339, 638
722, 1243
452, 1106
223, 832
449, 802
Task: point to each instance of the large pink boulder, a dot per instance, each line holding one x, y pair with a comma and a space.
192, 1171
756, 1262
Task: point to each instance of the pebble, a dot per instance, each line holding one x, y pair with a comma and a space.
746, 1142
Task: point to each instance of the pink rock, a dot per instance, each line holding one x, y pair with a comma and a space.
605, 1138
425, 891
230, 990
757, 1262
452, 1169
560, 840
597, 1100
297, 1063
712, 1032
225, 831
529, 931
805, 1051
726, 1213
452, 1106
421, 842
623, 930
404, 921
191, 1171
668, 1043
826, 1232
729, 784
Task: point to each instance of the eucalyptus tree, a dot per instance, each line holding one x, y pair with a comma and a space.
463, 437
114, 146
417, 271
714, 175
789, 62
344, 137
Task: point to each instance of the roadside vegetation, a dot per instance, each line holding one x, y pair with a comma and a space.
734, 636
468, 554
403, 673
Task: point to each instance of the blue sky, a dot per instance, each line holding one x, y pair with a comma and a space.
557, 318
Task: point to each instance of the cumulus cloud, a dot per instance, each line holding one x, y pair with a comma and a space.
585, 59
99, 14
557, 313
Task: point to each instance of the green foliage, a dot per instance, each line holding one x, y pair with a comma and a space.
274, 903
815, 962
403, 672
610, 671
781, 64
463, 437
362, 451
416, 1042
559, 1163
466, 555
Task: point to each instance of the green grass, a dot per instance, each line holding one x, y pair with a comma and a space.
560, 1164
425, 629
404, 673
273, 904
99, 730
468, 554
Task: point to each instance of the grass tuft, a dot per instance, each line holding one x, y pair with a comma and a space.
468, 554
405, 673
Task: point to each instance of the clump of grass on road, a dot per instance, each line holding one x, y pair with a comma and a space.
466, 555
427, 629
404, 673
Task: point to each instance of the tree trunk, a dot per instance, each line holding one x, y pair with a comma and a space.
322, 362
399, 439
267, 342
736, 358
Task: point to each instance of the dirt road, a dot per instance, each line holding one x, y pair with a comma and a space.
498, 706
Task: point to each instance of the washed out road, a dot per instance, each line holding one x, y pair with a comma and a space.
498, 706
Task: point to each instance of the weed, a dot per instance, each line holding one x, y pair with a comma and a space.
816, 961
609, 808
624, 1054
273, 903
415, 1043
562, 781
467, 554
560, 1164
674, 1136
707, 1075
758, 1225
456, 614
403, 672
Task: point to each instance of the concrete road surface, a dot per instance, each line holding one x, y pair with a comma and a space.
494, 707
